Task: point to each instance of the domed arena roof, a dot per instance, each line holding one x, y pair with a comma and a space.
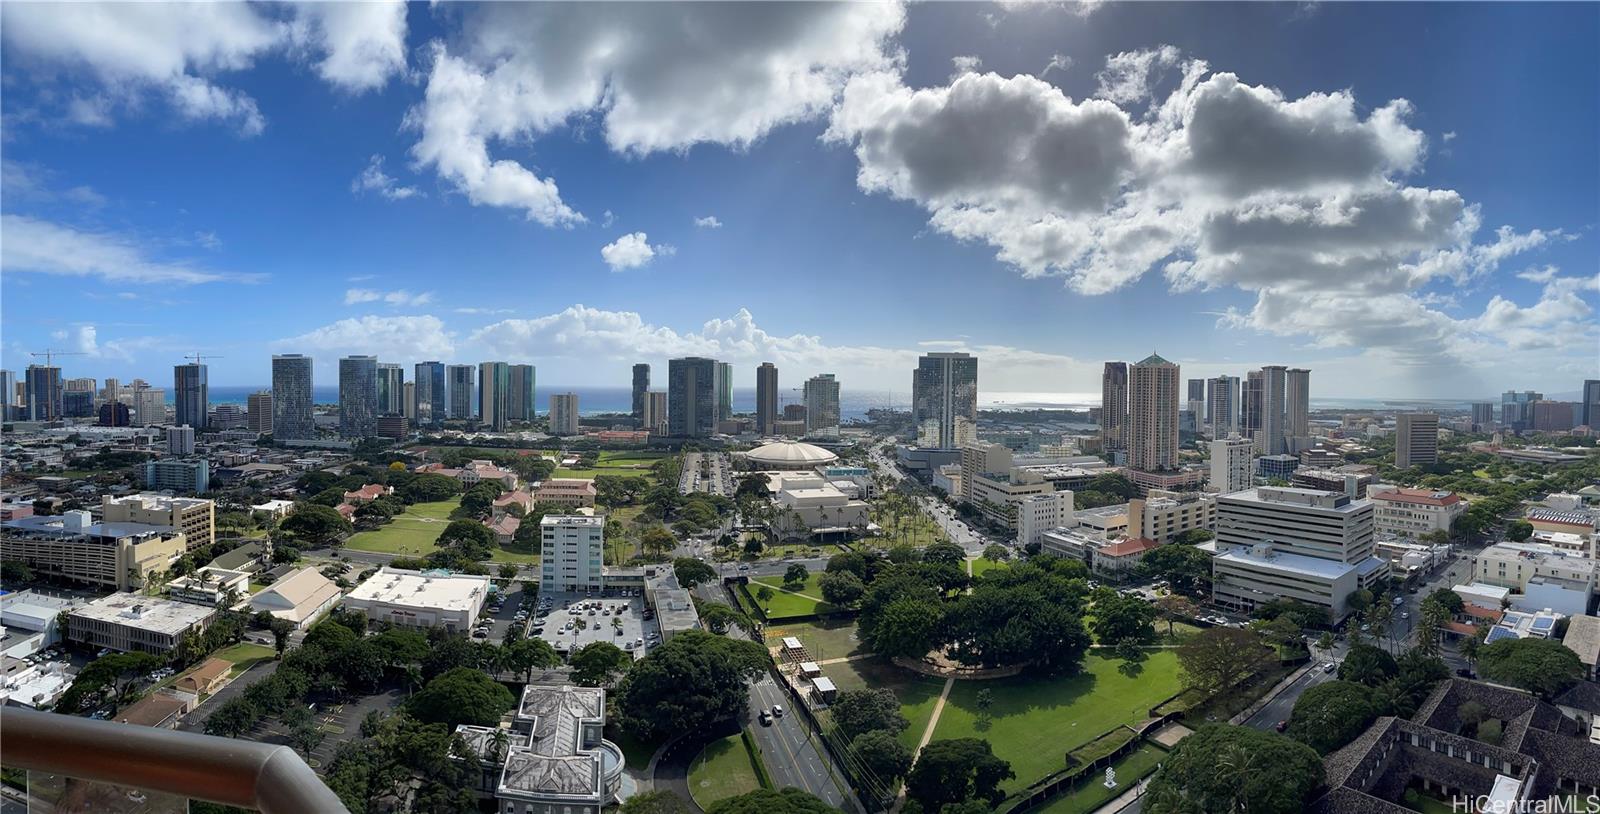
789, 455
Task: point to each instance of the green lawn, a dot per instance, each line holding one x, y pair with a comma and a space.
411, 532
823, 638
245, 655
1091, 792
1034, 721
724, 769
918, 530
982, 564
917, 692
784, 604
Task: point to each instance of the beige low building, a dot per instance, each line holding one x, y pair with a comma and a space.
566, 492
1413, 512
210, 586
126, 622
118, 556
195, 517
300, 597
1163, 515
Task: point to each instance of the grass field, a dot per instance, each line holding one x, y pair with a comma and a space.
917, 692
823, 638
1091, 792
807, 601
982, 564
724, 769
244, 655
413, 532
615, 462
1034, 721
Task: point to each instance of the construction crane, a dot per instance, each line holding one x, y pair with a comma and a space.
51, 353
199, 359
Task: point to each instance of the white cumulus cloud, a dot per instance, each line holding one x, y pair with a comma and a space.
708, 222
374, 179
632, 251
387, 337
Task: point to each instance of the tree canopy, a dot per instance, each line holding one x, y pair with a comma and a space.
1235, 768
692, 572
1542, 666
688, 683
1221, 657
950, 772
314, 523
856, 712
597, 663
1332, 714
766, 801
461, 695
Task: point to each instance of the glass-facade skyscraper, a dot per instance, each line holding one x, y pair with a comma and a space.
494, 384
42, 387
460, 381
191, 395
291, 398
641, 386
520, 405
431, 407
358, 396
391, 389
944, 387
692, 397
766, 397
822, 405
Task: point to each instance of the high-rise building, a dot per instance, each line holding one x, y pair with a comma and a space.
641, 387
572, 553
692, 397
227, 417
1300, 544
519, 397
1114, 406
724, 391
1153, 415
259, 406
1297, 403
8, 391
191, 395
494, 385
180, 440
391, 388
1416, 439
82, 384
1515, 408
115, 414
1482, 415
431, 406
564, 414
1252, 404
821, 394
77, 403
111, 392
1546, 415
460, 387
1270, 438
409, 401
149, 405
291, 398
43, 393
944, 388
1590, 404
655, 413
1222, 406
766, 397
1197, 402
358, 396
191, 475
1233, 464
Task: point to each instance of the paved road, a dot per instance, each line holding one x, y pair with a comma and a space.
791, 758
1278, 709
195, 721
959, 532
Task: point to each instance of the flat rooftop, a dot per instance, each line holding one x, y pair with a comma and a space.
1294, 497
146, 612
391, 586
1288, 562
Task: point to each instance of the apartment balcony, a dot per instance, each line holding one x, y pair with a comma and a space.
151, 764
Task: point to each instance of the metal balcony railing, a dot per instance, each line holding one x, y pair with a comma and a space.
259, 776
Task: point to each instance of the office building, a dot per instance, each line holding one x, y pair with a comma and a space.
822, 405
1515, 408
655, 413
358, 396
420, 600
564, 414
1564, 580
128, 622
71, 546
1222, 406
641, 390
392, 426
460, 388
1152, 433
409, 399
1416, 439
1550, 416
44, 392
572, 553
944, 391
431, 405
494, 384
1277, 467
1114, 406
1162, 516
8, 393
190, 395
115, 414
77, 403
195, 517
1482, 416
180, 440
692, 396
1197, 401
391, 389
982, 458
724, 378
258, 408
227, 417
1301, 544
1296, 405
188, 475
1589, 404
766, 397
1232, 464
1413, 512
520, 407
291, 398
149, 406
1037, 514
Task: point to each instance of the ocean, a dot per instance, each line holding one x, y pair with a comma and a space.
852, 403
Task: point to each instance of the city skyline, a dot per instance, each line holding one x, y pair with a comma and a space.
136, 202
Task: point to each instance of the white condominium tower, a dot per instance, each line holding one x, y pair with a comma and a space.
1232, 464
1152, 415
564, 414
572, 552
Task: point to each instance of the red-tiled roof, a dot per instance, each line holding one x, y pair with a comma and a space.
1138, 545
1477, 612
1425, 497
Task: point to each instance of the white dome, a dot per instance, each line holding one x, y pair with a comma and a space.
789, 455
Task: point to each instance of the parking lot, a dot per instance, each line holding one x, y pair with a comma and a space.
570, 621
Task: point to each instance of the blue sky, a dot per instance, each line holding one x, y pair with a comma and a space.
1401, 197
